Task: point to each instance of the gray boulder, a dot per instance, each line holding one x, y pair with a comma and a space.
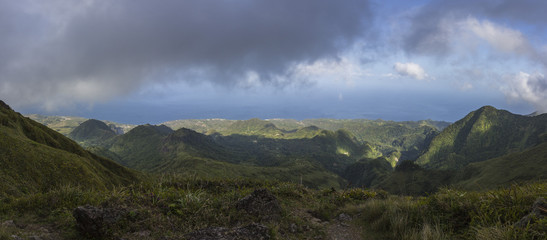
262, 204
539, 211
93, 221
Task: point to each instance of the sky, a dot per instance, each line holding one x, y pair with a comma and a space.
141, 61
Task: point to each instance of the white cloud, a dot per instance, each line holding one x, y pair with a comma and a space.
499, 37
345, 70
410, 69
531, 88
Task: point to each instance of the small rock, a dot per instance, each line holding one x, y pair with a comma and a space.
34, 238
539, 211
44, 230
262, 204
293, 228
344, 217
315, 220
15, 237
89, 220
9, 223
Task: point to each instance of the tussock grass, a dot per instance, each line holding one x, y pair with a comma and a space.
455, 214
174, 205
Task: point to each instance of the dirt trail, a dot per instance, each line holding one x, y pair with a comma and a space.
341, 228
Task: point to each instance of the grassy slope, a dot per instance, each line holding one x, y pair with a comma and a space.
521, 167
529, 165
415, 181
483, 134
304, 172
367, 172
36, 158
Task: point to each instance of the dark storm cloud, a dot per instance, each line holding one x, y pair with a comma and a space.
86, 50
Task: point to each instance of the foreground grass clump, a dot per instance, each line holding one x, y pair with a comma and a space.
171, 206
453, 214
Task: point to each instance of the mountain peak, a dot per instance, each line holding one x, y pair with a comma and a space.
488, 108
482, 134
184, 132
96, 123
92, 130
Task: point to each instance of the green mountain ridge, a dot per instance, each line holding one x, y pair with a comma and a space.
35, 158
481, 135
314, 160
